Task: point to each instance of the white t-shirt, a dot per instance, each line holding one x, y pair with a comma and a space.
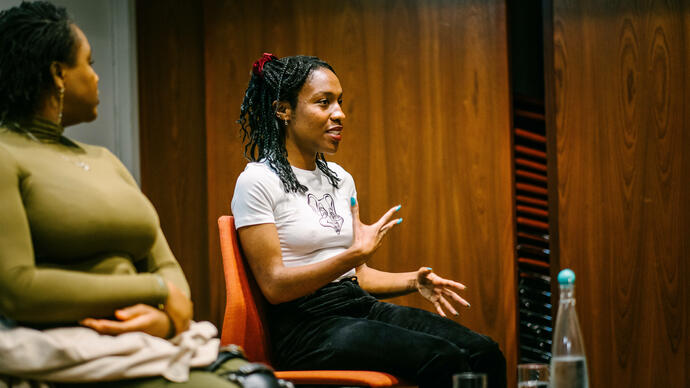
313, 226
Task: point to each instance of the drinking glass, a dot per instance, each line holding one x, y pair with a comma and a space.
533, 375
469, 380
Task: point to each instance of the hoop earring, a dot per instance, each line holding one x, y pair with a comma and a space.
61, 97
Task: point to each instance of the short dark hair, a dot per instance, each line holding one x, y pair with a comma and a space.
280, 80
32, 36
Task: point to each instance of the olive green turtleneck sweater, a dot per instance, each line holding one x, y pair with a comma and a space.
77, 237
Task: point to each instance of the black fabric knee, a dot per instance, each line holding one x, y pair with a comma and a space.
490, 360
440, 368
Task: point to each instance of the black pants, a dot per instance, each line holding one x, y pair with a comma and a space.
341, 326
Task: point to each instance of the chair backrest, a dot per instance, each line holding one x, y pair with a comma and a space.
243, 323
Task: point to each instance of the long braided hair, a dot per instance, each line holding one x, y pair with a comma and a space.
274, 80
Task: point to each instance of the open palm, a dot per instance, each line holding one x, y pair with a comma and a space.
438, 291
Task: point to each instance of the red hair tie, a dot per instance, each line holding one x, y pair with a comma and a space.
258, 67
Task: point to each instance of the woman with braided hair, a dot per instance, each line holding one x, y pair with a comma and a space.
297, 218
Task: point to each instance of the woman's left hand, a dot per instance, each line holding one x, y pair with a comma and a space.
437, 289
140, 317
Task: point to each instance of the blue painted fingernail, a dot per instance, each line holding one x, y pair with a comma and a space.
353, 201
399, 220
398, 208
429, 268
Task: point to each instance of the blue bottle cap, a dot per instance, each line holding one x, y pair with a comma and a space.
566, 276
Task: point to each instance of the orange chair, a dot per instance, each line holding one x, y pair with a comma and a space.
244, 323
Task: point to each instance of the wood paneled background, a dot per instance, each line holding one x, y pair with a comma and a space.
173, 135
622, 89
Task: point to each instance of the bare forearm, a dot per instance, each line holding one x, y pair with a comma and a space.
386, 284
290, 283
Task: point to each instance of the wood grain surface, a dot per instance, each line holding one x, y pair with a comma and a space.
172, 133
622, 87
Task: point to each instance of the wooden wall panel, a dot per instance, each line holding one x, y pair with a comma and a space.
172, 133
623, 135
426, 93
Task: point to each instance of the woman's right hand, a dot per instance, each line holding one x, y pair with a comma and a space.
179, 307
368, 238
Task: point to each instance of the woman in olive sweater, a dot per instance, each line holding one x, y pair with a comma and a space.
79, 243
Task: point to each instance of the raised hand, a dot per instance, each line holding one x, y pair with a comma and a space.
367, 238
437, 290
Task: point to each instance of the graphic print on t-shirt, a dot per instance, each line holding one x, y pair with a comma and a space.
325, 207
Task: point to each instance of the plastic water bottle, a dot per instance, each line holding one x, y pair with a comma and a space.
568, 362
